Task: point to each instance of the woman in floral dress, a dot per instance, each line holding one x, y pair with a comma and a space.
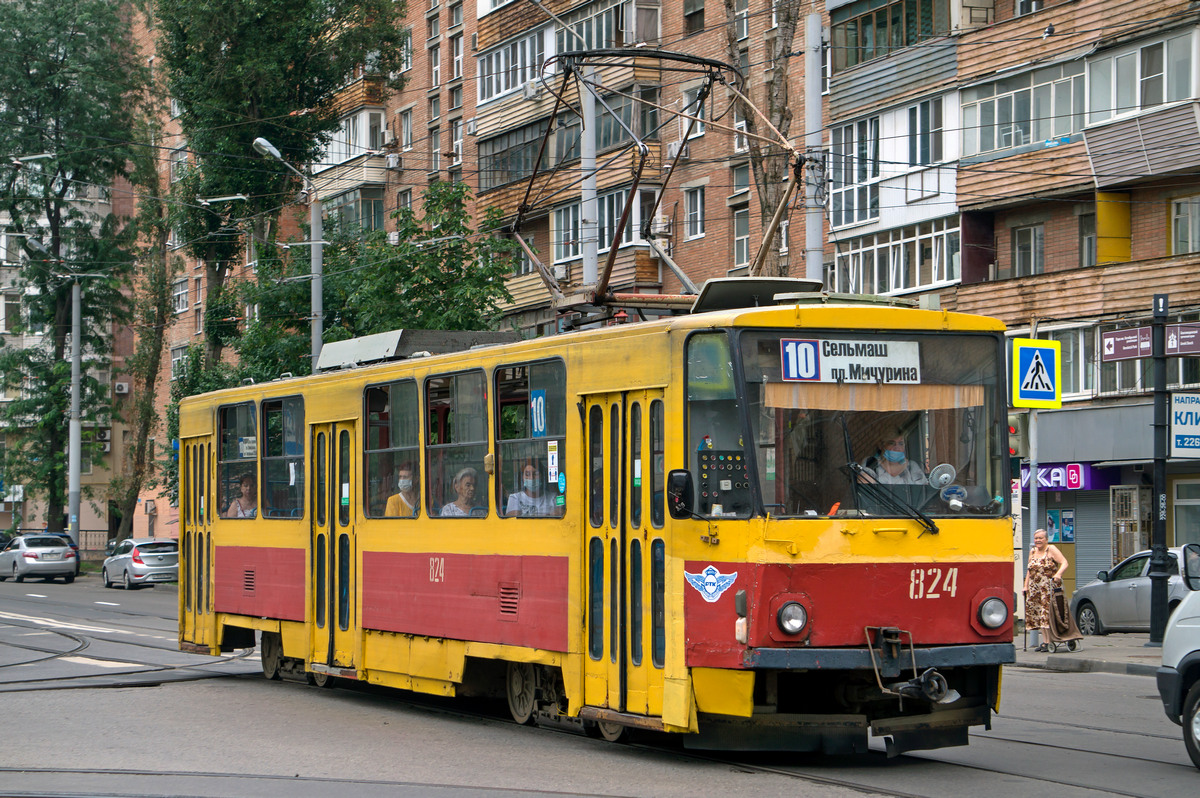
1046, 567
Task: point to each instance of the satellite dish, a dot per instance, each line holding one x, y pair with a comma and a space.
942, 475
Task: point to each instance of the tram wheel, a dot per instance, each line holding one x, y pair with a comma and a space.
270, 651
613, 732
318, 679
521, 689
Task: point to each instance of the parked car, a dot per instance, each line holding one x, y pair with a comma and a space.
1179, 676
140, 561
38, 555
74, 547
1119, 599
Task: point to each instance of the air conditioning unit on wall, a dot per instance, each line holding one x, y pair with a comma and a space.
121, 387
531, 90
679, 148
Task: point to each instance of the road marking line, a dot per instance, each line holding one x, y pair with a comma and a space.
107, 603
35, 595
99, 663
62, 625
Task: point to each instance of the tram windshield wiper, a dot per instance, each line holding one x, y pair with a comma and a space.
864, 483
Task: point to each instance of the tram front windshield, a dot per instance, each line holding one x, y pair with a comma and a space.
846, 424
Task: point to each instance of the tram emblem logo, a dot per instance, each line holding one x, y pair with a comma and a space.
711, 583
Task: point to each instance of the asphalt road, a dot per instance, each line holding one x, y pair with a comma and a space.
96, 700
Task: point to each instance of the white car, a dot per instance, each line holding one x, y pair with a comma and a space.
142, 561
40, 556
1179, 676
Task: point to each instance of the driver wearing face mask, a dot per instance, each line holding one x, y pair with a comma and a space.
890, 464
532, 499
405, 503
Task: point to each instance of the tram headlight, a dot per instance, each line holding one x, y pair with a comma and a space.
792, 618
993, 613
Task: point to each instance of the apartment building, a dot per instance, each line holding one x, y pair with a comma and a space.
1034, 162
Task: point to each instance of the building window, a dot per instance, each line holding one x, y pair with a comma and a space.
613, 127
741, 178
901, 259
611, 206
361, 208
693, 16
647, 24
511, 66
406, 130
741, 10
1028, 7
404, 199
869, 29
567, 138
524, 262
694, 209
1023, 109
1141, 78
456, 95
435, 149
741, 237
435, 66
599, 25
456, 15
740, 142
510, 156
1078, 357
178, 358
566, 233
179, 295
1185, 225
1087, 239
432, 27
1028, 250
456, 56
406, 55
693, 107
854, 177
784, 230
12, 312
925, 133
435, 108
456, 141
178, 163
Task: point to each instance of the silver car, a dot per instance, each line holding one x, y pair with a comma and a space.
1119, 599
42, 556
140, 561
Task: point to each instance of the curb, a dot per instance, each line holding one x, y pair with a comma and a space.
1091, 666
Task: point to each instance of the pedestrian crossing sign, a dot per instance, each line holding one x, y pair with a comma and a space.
1036, 373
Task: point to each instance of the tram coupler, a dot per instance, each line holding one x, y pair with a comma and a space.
930, 685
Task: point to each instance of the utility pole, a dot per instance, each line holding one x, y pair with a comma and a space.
1158, 530
814, 238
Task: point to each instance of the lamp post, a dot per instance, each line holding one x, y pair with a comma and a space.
74, 433
264, 147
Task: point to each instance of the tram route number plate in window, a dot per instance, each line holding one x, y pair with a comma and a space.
856, 361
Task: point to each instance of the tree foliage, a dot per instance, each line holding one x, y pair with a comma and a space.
241, 69
441, 275
73, 87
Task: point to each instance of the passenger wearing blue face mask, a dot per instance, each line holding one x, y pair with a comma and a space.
532, 499
890, 465
403, 504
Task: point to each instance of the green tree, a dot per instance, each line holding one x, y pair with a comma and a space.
73, 87
241, 69
440, 276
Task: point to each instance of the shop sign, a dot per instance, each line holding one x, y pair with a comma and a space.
1067, 476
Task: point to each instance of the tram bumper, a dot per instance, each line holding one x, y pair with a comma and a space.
891, 664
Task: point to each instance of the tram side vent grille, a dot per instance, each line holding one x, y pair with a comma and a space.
510, 599
248, 581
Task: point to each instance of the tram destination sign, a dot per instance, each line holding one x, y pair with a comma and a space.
851, 361
1135, 342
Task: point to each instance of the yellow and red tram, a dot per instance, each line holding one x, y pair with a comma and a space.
683, 525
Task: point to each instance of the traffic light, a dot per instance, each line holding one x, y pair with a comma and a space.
1018, 435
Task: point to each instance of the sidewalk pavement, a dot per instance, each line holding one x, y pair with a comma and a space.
1111, 653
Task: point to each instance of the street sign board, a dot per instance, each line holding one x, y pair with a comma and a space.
1185, 424
1128, 344
1183, 339
1037, 373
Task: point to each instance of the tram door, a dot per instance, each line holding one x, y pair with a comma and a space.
196, 562
622, 671
333, 547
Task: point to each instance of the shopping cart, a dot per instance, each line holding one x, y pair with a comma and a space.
1062, 629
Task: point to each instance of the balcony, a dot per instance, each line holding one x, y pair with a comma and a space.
1164, 141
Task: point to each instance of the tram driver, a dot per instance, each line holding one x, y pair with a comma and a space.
890, 464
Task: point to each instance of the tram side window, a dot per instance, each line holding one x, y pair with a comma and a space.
393, 483
283, 458
456, 409
715, 429
237, 485
531, 417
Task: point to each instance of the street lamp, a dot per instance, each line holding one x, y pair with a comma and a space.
74, 434
264, 147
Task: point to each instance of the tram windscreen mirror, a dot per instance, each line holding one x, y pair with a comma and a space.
679, 493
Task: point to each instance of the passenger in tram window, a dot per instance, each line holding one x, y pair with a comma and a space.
890, 464
532, 499
245, 505
404, 504
464, 490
